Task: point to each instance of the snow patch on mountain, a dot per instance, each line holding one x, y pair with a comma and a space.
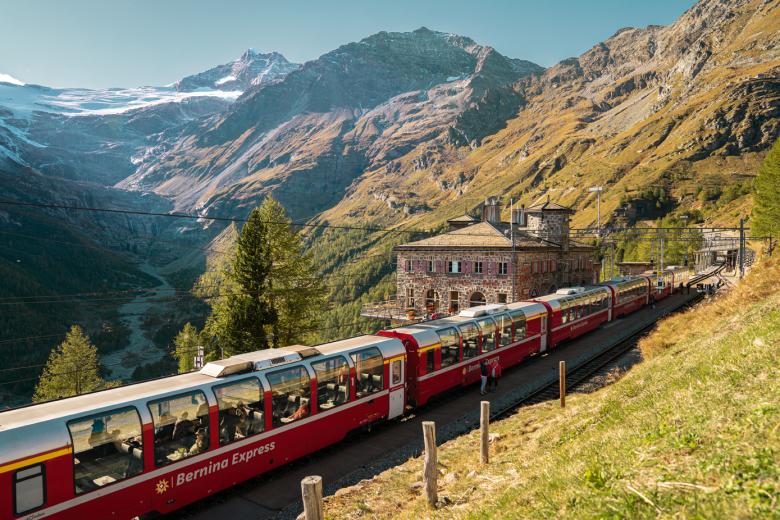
252, 68
23, 101
7, 78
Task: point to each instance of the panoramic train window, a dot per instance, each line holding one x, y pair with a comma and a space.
291, 391
370, 369
518, 320
505, 328
106, 448
240, 410
488, 327
332, 382
181, 427
29, 489
470, 334
450, 347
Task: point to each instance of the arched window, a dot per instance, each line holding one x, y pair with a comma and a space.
476, 298
431, 301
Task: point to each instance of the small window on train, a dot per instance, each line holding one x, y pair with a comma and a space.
396, 376
450, 347
106, 448
332, 382
241, 411
505, 329
488, 327
29, 489
370, 369
470, 334
181, 427
291, 390
518, 321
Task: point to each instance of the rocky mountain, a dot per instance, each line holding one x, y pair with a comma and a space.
307, 137
686, 111
249, 70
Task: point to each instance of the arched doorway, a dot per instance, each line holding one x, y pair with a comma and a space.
476, 298
431, 301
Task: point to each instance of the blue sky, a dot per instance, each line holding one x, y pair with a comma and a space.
93, 43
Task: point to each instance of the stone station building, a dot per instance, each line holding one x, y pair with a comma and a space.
489, 261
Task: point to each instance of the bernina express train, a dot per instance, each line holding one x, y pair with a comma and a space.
153, 447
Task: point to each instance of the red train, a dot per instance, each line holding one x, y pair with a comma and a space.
154, 447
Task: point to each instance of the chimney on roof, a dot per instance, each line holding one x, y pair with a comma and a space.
491, 210
518, 216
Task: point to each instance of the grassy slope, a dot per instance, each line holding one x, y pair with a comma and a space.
694, 431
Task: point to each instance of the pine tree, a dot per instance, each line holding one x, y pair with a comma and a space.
186, 345
297, 294
766, 196
270, 276
72, 369
241, 314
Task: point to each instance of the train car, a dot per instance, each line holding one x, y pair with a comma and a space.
575, 311
154, 447
628, 294
680, 274
446, 353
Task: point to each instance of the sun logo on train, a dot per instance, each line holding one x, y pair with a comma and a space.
162, 487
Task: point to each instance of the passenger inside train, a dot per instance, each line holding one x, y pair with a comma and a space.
106, 449
240, 410
175, 443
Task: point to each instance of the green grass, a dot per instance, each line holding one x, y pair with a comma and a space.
692, 432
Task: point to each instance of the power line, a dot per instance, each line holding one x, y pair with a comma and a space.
196, 217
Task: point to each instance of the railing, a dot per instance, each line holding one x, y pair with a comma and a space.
389, 309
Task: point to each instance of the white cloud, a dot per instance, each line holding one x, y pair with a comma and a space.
7, 78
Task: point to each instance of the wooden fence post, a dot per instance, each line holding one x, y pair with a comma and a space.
562, 382
311, 490
484, 420
430, 465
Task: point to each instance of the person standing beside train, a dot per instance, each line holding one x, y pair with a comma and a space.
495, 375
483, 372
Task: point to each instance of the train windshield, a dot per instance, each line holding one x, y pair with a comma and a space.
107, 448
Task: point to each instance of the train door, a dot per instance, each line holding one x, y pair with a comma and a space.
543, 332
397, 388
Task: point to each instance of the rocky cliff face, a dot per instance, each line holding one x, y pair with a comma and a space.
250, 70
355, 109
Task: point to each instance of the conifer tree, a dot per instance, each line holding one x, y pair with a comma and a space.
186, 345
296, 294
766, 195
72, 369
270, 276
242, 312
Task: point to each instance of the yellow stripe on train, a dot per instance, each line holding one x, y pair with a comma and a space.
35, 460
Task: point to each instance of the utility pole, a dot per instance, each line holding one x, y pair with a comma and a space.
199, 358
597, 190
741, 248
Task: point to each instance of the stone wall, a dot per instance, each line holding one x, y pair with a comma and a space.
534, 273
549, 225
